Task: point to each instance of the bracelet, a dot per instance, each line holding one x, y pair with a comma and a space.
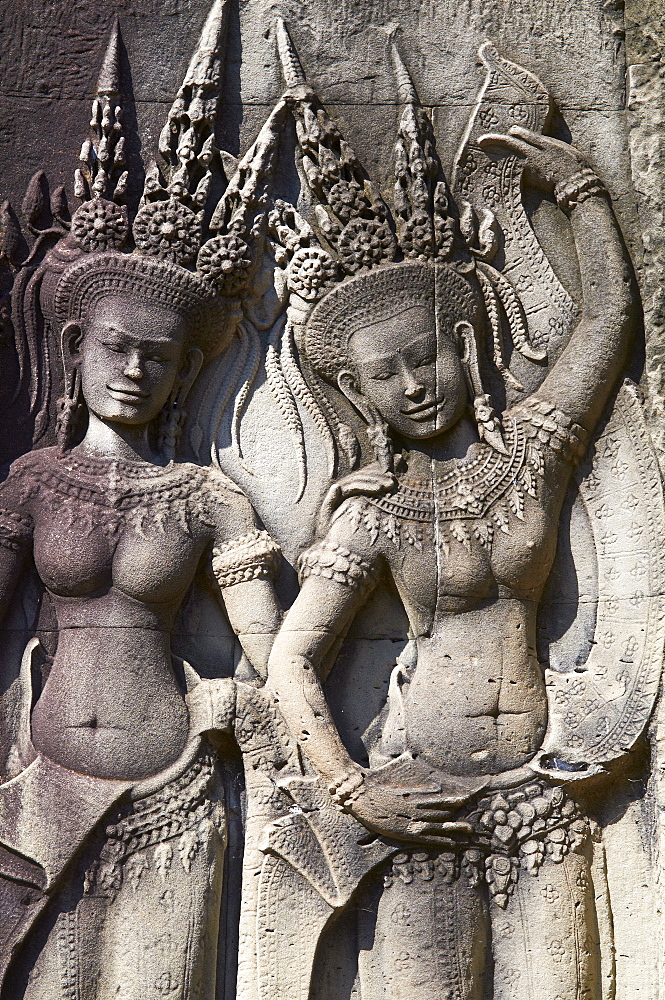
576, 189
347, 789
255, 556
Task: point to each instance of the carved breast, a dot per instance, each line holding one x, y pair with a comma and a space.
442, 577
92, 534
450, 565
79, 559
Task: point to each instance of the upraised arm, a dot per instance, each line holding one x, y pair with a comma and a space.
583, 377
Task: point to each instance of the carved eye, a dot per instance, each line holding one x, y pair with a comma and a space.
112, 346
382, 376
429, 360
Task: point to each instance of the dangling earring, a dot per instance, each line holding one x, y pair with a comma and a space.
171, 424
71, 410
378, 432
489, 425
379, 438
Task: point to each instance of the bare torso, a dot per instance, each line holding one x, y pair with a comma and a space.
475, 701
117, 546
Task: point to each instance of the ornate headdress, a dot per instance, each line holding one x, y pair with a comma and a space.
163, 254
369, 262
171, 253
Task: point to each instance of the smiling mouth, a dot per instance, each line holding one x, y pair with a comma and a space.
134, 395
425, 411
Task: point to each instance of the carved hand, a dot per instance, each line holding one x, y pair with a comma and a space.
370, 481
409, 800
548, 161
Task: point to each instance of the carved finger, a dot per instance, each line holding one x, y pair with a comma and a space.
333, 496
430, 816
451, 830
425, 829
438, 804
371, 483
431, 840
439, 841
544, 142
532, 138
443, 801
500, 144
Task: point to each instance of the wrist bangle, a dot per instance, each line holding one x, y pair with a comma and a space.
576, 189
347, 789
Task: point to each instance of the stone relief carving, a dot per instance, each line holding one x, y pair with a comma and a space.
484, 461
116, 809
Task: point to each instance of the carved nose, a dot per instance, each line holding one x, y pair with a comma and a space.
134, 373
413, 389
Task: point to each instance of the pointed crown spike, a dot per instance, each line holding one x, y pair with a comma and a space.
425, 228
198, 96
350, 211
108, 84
171, 211
205, 67
100, 182
288, 57
193, 111
246, 194
405, 88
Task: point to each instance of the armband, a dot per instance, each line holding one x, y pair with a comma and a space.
255, 556
334, 562
545, 425
577, 189
15, 530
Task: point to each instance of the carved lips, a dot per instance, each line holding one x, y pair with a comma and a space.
127, 395
425, 411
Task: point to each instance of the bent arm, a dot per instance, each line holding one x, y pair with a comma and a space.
255, 616
320, 615
582, 379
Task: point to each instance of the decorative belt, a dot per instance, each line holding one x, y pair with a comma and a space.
185, 804
515, 828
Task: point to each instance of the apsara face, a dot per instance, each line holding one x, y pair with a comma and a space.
131, 355
413, 378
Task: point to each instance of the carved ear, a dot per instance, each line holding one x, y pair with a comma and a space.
191, 366
70, 342
347, 384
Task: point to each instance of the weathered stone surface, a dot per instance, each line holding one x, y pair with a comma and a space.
331, 549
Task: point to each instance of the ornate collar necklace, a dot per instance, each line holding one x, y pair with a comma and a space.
468, 489
100, 466
117, 484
